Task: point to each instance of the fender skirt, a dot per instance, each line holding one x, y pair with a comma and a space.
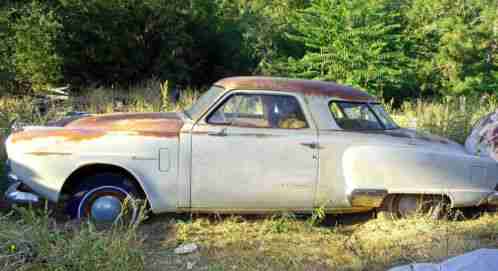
367, 197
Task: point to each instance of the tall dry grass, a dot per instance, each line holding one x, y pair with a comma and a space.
30, 241
450, 117
149, 96
33, 240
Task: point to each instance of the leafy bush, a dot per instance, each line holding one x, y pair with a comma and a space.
400, 49
28, 53
103, 43
36, 58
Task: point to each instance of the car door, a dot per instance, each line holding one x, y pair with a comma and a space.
255, 151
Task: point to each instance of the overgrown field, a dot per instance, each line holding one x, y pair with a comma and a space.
35, 240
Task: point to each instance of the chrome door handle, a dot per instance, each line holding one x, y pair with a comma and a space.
312, 145
222, 132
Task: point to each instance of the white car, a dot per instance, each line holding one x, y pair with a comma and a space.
249, 144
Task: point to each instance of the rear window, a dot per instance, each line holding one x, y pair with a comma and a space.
360, 116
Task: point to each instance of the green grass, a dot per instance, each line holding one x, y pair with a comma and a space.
37, 241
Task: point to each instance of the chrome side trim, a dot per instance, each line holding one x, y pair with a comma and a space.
14, 195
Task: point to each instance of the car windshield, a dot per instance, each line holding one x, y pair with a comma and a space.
361, 116
203, 103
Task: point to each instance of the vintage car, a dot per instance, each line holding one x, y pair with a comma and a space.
249, 144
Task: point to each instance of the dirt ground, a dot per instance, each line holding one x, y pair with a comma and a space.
341, 242
161, 237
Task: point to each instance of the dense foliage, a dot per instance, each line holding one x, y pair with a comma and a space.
394, 48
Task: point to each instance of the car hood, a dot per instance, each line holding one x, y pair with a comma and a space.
160, 124
95, 126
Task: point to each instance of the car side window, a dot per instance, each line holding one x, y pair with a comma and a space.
260, 111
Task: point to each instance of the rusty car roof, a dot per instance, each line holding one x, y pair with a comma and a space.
307, 87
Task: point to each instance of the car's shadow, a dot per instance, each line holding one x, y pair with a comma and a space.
330, 220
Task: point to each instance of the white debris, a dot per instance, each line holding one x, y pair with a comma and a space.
190, 265
478, 260
186, 249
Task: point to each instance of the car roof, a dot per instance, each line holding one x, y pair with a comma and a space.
306, 87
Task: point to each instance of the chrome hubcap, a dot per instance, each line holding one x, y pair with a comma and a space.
106, 209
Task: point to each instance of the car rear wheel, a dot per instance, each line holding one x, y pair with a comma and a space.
406, 205
105, 198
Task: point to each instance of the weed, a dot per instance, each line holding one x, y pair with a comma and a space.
317, 216
280, 223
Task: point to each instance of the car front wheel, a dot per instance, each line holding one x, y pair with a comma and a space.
105, 198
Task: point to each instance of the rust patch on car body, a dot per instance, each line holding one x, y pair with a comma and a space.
144, 124
165, 125
306, 87
46, 153
74, 135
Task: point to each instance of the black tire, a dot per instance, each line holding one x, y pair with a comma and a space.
386, 210
406, 205
101, 186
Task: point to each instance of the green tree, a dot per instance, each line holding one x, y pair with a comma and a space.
454, 45
36, 60
7, 70
28, 57
352, 42
262, 25
122, 41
